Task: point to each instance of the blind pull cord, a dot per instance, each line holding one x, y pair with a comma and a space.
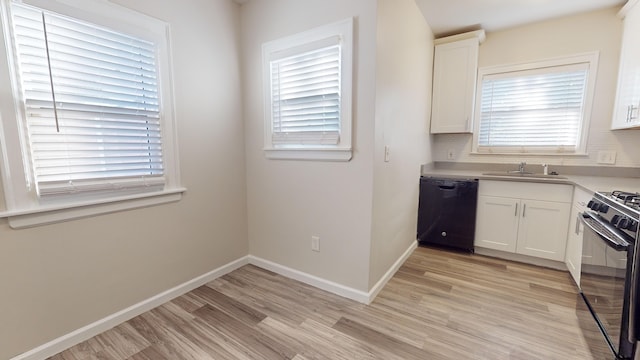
53, 93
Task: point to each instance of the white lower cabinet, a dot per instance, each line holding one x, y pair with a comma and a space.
497, 223
524, 218
542, 230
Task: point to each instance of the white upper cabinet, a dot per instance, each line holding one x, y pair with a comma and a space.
455, 70
626, 113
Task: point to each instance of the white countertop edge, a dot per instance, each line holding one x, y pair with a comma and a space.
587, 183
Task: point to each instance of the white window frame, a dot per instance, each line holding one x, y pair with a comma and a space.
590, 59
23, 206
342, 32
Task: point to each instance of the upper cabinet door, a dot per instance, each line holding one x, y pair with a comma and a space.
626, 114
455, 70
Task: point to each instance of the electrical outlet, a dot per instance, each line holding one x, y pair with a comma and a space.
386, 153
451, 154
606, 157
315, 243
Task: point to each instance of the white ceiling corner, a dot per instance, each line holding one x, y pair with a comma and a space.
447, 17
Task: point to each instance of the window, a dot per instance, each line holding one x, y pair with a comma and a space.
308, 94
93, 107
540, 108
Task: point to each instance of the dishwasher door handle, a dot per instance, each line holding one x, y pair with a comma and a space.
447, 187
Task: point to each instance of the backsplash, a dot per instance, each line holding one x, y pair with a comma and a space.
613, 171
457, 148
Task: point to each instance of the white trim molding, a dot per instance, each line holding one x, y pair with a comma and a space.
87, 332
318, 282
333, 287
392, 270
84, 333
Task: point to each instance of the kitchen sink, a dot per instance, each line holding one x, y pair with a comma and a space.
523, 174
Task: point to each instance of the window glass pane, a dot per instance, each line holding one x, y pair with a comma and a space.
543, 108
103, 129
305, 91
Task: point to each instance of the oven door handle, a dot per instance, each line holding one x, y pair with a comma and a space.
607, 232
632, 329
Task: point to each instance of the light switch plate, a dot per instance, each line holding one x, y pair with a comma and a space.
606, 157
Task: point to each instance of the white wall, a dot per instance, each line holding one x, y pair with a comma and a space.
57, 278
403, 103
594, 31
289, 201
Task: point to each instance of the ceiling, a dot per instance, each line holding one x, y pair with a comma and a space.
447, 17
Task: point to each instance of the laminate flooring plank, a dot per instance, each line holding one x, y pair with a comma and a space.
245, 333
295, 303
149, 353
267, 303
328, 343
229, 305
293, 336
439, 305
383, 342
392, 324
205, 338
189, 302
168, 337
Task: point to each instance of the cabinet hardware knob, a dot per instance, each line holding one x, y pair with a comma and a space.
633, 109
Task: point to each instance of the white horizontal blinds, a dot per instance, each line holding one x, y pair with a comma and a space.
537, 108
107, 108
305, 90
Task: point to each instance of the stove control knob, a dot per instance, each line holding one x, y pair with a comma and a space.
615, 219
590, 204
603, 208
594, 205
622, 224
633, 226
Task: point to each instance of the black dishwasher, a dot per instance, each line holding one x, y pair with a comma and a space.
447, 212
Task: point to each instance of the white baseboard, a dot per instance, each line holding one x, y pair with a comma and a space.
330, 286
320, 283
556, 265
392, 270
84, 333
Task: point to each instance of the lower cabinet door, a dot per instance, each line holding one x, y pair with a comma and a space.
573, 256
543, 229
497, 223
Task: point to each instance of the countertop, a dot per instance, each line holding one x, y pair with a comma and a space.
590, 183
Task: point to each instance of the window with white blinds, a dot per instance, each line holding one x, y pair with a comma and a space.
307, 79
305, 91
91, 104
536, 109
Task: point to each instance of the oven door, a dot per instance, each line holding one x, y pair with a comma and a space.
606, 255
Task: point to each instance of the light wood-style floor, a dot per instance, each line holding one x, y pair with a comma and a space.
439, 305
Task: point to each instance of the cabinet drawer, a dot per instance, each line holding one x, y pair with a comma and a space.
523, 190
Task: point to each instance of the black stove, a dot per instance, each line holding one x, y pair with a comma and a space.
610, 269
619, 209
628, 199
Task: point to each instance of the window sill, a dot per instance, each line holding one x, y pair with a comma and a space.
309, 154
19, 219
